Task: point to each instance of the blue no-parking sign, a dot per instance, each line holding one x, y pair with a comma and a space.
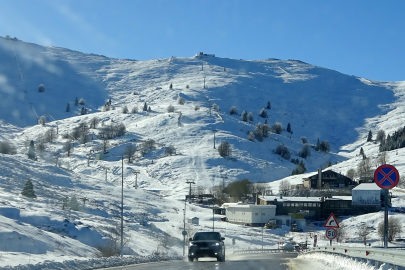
386, 176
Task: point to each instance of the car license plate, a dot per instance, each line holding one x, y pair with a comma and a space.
203, 248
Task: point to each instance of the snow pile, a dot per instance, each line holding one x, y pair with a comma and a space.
340, 262
93, 263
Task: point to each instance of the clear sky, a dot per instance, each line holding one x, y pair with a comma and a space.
356, 37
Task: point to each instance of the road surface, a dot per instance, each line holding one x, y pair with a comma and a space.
264, 261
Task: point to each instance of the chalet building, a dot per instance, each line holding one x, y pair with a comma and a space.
328, 179
312, 208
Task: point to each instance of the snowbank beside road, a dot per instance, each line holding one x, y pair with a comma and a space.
330, 261
95, 263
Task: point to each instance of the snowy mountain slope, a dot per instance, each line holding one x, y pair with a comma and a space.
319, 103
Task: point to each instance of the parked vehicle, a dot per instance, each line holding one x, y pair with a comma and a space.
207, 244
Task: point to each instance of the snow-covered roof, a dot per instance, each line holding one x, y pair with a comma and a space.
343, 198
367, 186
252, 206
291, 199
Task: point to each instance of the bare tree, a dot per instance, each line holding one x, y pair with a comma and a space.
170, 150
7, 148
129, 152
341, 233
124, 109
225, 149
284, 187
181, 101
50, 135
42, 120
351, 173
215, 107
94, 122
68, 147
170, 108
394, 228
134, 109
381, 136
364, 168
363, 231
382, 158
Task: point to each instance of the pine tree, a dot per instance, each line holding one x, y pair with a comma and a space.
265, 121
268, 105
289, 128
318, 145
83, 111
361, 151
145, 107
68, 108
28, 190
370, 136
149, 109
244, 116
31, 151
263, 113
171, 86
76, 101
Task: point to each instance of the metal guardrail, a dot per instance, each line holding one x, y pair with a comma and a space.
266, 250
393, 257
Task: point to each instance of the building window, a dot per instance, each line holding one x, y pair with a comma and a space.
305, 204
263, 214
256, 214
288, 204
284, 204
310, 204
300, 204
318, 204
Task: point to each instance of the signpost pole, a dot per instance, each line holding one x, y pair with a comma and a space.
330, 242
386, 201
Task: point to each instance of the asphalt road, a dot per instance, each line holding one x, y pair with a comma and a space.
265, 261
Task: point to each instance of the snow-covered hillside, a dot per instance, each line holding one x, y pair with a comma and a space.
317, 102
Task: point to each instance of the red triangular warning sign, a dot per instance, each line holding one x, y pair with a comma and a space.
331, 222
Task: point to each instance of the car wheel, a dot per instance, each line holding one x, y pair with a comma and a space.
190, 259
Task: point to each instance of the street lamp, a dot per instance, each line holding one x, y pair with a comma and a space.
214, 130
136, 177
122, 205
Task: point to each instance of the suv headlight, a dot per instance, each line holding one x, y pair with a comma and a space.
215, 245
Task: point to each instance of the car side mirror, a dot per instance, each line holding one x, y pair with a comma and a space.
222, 238
190, 239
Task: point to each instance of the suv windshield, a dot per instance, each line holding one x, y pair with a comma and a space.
207, 236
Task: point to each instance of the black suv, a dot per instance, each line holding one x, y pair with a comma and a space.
207, 244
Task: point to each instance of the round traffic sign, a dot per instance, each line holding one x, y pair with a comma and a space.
386, 176
331, 233
184, 232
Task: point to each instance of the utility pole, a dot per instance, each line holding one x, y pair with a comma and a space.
184, 232
89, 156
261, 221
136, 177
223, 180
106, 169
214, 130
57, 127
208, 104
190, 182
122, 206
202, 65
204, 82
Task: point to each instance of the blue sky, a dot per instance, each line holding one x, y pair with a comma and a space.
362, 38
